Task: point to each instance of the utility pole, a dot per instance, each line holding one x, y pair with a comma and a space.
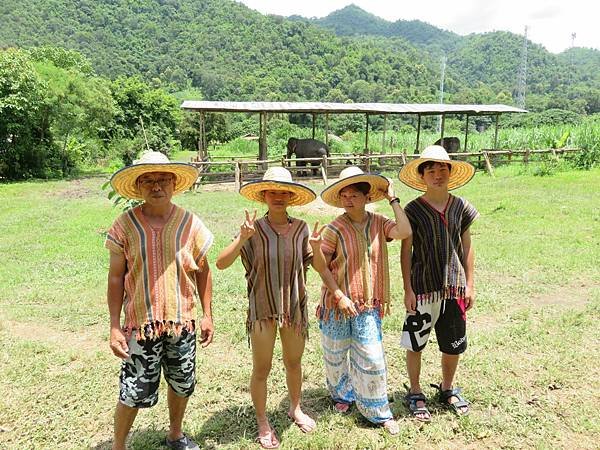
442, 76
522, 80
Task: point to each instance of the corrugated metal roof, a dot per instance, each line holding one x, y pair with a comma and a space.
373, 108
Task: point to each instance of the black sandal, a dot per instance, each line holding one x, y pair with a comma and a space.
444, 397
411, 402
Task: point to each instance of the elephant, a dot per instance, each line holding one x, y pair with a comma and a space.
451, 144
307, 148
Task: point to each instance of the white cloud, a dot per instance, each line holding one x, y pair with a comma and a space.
550, 22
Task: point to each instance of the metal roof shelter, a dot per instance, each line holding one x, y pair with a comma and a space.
314, 108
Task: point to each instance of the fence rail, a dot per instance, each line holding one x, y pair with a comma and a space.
231, 168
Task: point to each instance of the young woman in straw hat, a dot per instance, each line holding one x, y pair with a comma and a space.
276, 251
437, 269
355, 296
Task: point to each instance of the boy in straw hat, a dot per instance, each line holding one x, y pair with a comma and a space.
355, 295
276, 251
157, 266
437, 269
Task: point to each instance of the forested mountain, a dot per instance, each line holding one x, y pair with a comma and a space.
354, 21
229, 52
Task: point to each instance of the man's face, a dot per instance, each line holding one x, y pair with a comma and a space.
436, 176
156, 187
277, 200
352, 199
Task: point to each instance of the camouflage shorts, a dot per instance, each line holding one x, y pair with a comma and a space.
140, 373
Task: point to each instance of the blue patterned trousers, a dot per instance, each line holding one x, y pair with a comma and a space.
355, 363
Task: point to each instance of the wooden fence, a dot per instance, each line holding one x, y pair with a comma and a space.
240, 170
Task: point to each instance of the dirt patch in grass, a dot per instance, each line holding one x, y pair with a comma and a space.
88, 340
77, 189
320, 208
574, 297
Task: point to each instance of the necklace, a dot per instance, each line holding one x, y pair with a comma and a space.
280, 228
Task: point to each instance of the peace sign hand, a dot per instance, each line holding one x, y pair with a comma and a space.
247, 229
315, 238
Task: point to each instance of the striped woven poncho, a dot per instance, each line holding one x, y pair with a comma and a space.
437, 270
160, 281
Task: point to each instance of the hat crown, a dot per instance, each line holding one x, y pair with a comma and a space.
278, 174
152, 157
351, 171
435, 152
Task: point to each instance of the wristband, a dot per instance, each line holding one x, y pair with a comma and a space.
395, 200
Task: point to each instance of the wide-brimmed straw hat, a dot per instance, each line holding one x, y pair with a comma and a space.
278, 179
124, 181
460, 173
352, 175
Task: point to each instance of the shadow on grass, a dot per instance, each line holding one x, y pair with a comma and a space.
237, 425
141, 439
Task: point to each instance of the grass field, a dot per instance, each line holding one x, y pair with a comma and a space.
532, 369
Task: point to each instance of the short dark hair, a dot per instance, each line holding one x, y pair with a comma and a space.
428, 164
362, 187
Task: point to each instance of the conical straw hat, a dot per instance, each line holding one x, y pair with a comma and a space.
278, 179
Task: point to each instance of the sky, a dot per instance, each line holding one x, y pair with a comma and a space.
550, 22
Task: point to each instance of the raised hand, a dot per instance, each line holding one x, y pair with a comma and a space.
389, 193
247, 229
315, 238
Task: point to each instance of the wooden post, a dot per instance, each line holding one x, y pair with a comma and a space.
384, 130
366, 152
403, 157
238, 177
262, 138
314, 120
466, 133
488, 164
327, 129
442, 127
526, 157
202, 137
496, 133
418, 134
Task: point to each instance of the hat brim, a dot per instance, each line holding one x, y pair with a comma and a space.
460, 174
379, 185
301, 195
124, 181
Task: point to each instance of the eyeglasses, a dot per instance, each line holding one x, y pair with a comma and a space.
148, 183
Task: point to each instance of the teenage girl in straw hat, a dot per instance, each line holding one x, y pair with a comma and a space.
276, 251
355, 296
437, 269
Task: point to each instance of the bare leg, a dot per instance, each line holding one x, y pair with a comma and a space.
124, 417
262, 339
413, 367
293, 347
177, 407
449, 365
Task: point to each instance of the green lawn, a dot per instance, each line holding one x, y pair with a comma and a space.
531, 371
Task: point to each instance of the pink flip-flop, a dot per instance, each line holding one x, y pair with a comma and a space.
305, 426
269, 440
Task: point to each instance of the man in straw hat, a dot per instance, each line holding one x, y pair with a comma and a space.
276, 251
157, 266
356, 293
437, 269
